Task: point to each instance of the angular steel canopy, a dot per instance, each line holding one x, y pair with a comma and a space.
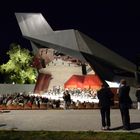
106, 63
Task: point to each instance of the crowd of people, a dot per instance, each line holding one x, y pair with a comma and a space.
21, 99
55, 99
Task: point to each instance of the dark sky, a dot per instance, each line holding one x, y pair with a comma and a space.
114, 23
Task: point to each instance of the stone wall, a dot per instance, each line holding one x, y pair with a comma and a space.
12, 88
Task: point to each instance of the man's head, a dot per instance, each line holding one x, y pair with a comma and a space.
123, 82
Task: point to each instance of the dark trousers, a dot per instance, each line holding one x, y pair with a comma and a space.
105, 116
125, 116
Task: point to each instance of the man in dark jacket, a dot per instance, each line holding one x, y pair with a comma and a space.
105, 95
124, 103
138, 97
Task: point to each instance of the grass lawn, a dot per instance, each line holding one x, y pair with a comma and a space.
49, 135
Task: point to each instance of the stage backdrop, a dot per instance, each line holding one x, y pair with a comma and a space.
83, 81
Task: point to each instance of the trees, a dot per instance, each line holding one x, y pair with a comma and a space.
18, 69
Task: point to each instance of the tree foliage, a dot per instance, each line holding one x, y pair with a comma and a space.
18, 69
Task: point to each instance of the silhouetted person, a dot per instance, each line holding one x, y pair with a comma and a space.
105, 96
124, 103
67, 99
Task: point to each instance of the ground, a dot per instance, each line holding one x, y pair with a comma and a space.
64, 120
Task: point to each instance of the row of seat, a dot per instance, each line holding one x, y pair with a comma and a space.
45, 106
91, 106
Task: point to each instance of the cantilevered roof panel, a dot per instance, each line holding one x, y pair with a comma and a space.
82, 45
63, 41
61, 49
99, 51
33, 24
64, 38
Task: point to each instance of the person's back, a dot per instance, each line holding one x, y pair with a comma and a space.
104, 95
124, 94
68, 97
68, 102
124, 103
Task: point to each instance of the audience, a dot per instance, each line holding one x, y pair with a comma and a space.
52, 98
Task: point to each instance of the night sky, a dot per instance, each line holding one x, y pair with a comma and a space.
113, 23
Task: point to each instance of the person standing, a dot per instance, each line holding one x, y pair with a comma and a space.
68, 102
105, 96
65, 100
124, 103
138, 97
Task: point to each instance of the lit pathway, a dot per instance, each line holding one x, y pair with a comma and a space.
63, 120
